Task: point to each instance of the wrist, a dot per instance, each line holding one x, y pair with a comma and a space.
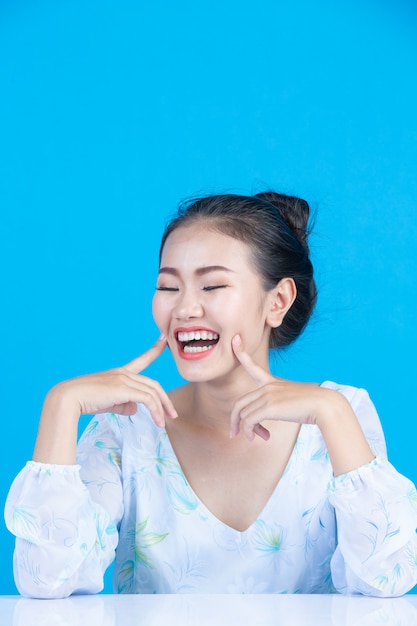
331, 408
58, 429
61, 404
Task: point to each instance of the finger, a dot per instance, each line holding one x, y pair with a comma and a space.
127, 393
144, 360
261, 431
248, 413
139, 381
243, 403
259, 375
251, 420
155, 400
127, 408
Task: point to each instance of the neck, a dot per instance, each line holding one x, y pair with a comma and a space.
211, 403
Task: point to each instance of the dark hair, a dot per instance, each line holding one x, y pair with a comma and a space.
275, 226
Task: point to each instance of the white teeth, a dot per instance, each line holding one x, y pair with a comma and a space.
196, 335
195, 349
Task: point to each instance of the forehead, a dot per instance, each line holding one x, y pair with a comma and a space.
198, 245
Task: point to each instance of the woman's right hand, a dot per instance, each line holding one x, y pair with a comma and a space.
116, 391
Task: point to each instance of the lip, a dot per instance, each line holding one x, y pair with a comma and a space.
190, 329
193, 356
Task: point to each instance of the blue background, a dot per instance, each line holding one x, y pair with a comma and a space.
111, 112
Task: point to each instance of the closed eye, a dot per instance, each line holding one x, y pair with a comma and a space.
212, 287
167, 289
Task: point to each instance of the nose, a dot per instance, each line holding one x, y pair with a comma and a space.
188, 306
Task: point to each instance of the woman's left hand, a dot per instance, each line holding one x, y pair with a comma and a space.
275, 399
303, 403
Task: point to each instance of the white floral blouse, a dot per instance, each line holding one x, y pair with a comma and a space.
128, 496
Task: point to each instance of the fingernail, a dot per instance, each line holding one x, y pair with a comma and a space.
237, 340
161, 337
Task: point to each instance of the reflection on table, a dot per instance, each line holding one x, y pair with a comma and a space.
202, 610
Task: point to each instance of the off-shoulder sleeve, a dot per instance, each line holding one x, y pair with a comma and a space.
376, 512
65, 518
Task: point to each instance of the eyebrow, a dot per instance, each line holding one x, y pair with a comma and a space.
201, 271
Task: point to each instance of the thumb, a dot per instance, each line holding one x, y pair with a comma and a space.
144, 360
259, 375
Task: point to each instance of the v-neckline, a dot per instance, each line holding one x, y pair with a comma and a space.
212, 515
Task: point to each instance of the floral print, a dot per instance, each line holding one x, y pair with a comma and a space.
128, 499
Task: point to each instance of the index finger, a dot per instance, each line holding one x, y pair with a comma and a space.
144, 360
259, 375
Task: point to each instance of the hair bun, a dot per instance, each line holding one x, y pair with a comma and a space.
294, 211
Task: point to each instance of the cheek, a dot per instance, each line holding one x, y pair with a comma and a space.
159, 313
254, 332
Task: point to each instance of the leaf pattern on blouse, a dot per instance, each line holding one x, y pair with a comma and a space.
24, 521
128, 498
412, 497
180, 496
143, 541
268, 538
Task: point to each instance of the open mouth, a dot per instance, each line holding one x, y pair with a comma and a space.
197, 340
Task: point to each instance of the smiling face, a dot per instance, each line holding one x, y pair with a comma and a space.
208, 291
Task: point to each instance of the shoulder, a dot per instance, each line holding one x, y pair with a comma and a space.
352, 394
356, 396
365, 411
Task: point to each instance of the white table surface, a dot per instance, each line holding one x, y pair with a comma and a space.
216, 610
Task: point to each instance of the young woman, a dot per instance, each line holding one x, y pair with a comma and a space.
236, 482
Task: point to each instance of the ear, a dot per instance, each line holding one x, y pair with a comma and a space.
280, 299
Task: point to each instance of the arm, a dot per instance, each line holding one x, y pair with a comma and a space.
65, 539
375, 506
376, 513
304, 403
117, 391
345, 441
66, 534
376, 519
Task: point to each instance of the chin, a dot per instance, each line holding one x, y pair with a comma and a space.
193, 374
